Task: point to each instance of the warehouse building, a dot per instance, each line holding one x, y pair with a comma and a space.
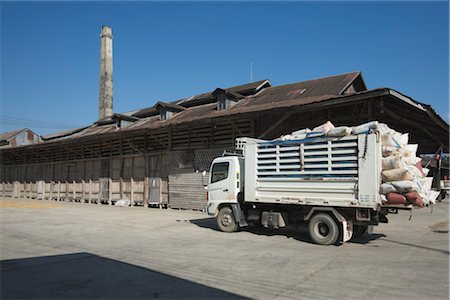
161, 154
157, 155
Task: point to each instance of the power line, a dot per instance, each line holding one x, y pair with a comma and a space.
24, 122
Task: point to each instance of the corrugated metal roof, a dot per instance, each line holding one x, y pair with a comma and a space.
268, 97
7, 135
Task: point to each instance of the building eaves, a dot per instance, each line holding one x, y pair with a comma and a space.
64, 133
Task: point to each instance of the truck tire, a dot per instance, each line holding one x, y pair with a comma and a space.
225, 220
323, 229
359, 230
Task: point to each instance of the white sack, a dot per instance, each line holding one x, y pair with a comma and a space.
412, 160
433, 196
404, 186
339, 131
392, 162
365, 127
403, 140
314, 134
414, 171
387, 188
412, 148
390, 151
387, 139
286, 137
325, 127
122, 202
396, 175
427, 183
383, 128
301, 131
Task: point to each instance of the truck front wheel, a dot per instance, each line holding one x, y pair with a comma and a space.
323, 229
226, 221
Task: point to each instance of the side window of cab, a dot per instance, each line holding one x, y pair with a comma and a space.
220, 171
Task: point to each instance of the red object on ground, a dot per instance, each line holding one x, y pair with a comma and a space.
395, 198
414, 198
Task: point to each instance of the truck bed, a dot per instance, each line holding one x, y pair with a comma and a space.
322, 171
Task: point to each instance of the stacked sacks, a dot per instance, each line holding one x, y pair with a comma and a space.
402, 173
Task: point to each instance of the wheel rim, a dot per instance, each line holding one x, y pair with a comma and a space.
226, 220
323, 229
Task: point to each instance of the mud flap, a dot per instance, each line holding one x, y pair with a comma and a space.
347, 230
239, 215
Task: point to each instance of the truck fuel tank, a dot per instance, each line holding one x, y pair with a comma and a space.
272, 219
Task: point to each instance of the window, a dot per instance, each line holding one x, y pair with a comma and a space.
124, 123
222, 104
165, 115
219, 171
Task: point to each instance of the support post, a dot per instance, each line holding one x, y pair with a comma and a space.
146, 193
74, 190
59, 191
121, 187
109, 191
100, 190
132, 191
83, 190
90, 190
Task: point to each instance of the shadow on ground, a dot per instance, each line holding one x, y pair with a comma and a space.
88, 276
300, 234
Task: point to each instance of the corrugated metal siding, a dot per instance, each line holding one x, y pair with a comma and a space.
186, 190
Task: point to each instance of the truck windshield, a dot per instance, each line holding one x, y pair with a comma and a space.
219, 171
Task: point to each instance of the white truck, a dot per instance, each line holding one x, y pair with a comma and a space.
331, 183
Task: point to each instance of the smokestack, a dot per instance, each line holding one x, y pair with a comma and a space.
105, 99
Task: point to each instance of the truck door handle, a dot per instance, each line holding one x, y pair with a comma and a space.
225, 190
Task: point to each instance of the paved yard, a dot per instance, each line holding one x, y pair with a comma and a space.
57, 250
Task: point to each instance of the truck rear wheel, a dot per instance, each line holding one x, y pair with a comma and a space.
226, 220
323, 229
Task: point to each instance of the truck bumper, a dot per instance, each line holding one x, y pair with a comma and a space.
211, 208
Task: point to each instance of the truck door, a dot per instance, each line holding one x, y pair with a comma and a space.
221, 186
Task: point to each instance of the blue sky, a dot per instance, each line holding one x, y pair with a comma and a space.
167, 51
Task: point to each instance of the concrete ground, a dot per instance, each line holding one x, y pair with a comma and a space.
58, 250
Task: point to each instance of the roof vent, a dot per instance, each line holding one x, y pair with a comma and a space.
167, 110
225, 98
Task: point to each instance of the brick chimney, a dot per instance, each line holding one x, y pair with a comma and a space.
105, 99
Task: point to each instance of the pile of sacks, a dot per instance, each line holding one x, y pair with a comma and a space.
404, 178
326, 129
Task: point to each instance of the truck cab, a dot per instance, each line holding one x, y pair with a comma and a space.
225, 182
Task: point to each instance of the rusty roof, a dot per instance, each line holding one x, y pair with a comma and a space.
330, 90
260, 96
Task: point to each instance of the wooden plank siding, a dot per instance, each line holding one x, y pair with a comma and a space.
186, 190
